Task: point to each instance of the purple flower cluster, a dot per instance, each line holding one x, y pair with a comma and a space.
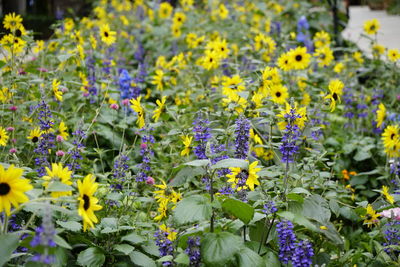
90, 64
165, 246
193, 251
75, 152
46, 141
303, 36
287, 240
146, 152
218, 154
302, 255
392, 236
119, 172
270, 208
242, 138
289, 148
44, 237
202, 134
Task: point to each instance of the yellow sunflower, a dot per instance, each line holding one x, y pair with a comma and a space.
60, 174
137, 107
371, 217
300, 59
3, 137
388, 196
157, 112
324, 56
12, 188
165, 10
63, 130
371, 26
380, 115
321, 39
12, 21
284, 62
335, 91
57, 93
87, 202
252, 177
107, 36
187, 141
279, 93
391, 141
158, 79
393, 55
34, 135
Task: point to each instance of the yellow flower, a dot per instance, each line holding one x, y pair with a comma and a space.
35, 134
324, 56
3, 137
59, 174
210, 60
171, 234
68, 24
63, 130
12, 188
223, 12
391, 141
279, 94
107, 36
321, 39
284, 62
232, 84
388, 196
12, 21
39, 46
300, 59
371, 26
338, 67
162, 210
5, 95
378, 50
371, 217
393, 55
179, 18
158, 80
58, 94
176, 30
251, 180
335, 91
165, 10
157, 112
322, 227
380, 115
137, 107
87, 202
187, 141
358, 57
299, 121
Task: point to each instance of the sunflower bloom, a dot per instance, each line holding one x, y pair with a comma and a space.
107, 36
372, 26
335, 91
380, 115
12, 22
3, 137
371, 217
34, 135
187, 141
388, 196
137, 107
60, 174
87, 202
157, 112
12, 188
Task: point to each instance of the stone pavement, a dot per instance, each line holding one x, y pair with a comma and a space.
388, 34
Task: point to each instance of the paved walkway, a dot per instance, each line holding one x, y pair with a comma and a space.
388, 34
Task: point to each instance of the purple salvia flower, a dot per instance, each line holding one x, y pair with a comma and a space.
242, 137
287, 240
193, 251
201, 135
303, 253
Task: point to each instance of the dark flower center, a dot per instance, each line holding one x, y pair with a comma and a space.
298, 58
18, 33
392, 136
35, 139
211, 59
86, 202
372, 27
4, 189
106, 34
278, 94
334, 96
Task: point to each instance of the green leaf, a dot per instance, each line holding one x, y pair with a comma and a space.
92, 257
141, 259
362, 155
133, 238
9, 242
198, 163
315, 207
295, 197
228, 163
247, 257
124, 248
2, 63
239, 209
61, 242
298, 219
57, 186
218, 248
70, 225
192, 209
183, 259
185, 175
271, 259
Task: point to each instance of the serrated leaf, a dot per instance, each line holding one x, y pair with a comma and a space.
124, 248
192, 209
133, 238
70, 225
239, 209
198, 163
185, 175
91, 257
61, 242
9, 242
141, 259
228, 163
247, 257
57, 186
218, 248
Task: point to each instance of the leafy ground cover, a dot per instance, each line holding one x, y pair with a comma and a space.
231, 133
